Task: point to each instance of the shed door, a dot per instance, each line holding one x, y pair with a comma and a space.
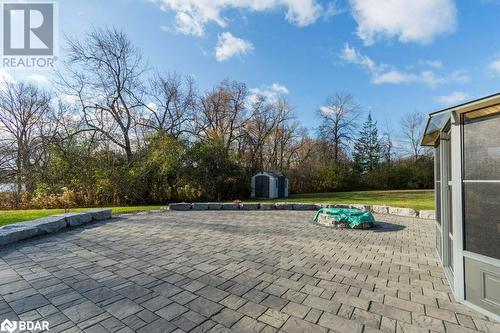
262, 187
281, 186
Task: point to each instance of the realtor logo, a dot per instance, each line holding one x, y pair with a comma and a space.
8, 326
33, 326
29, 34
28, 29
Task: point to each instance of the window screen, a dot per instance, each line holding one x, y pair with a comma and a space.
481, 158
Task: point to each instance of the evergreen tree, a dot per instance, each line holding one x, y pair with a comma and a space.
367, 148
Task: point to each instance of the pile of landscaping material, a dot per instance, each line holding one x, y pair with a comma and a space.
344, 218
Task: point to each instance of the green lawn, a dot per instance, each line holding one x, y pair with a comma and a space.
416, 199
14, 216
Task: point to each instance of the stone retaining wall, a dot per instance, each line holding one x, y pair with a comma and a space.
398, 211
12, 233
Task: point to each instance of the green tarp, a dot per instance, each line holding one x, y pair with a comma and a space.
352, 218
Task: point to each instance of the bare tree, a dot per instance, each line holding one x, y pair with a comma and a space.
285, 138
104, 72
256, 130
172, 104
7, 162
386, 143
265, 117
25, 128
339, 116
222, 113
412, 126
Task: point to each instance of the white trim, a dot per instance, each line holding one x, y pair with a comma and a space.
482, 258
438, 225
480, 181
439, 257
445, 160
469, 104
481, 310
450, 276
457, 210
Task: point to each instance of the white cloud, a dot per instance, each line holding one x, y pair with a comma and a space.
193, 15
229, 46
270, 92
39, 79
5, 79
326, 110
453, 98
300, 12
393, 76
431, 63
71, 99
433, 79
188, 25
281, 89
495, 67
5, 76
152, 106
332, 9
410, 21
386, 74
353, 56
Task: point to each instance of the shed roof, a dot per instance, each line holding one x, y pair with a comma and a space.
271, 173
438, 120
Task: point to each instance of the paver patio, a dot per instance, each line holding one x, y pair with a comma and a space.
237, 271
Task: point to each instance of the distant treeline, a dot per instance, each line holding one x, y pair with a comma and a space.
110, 131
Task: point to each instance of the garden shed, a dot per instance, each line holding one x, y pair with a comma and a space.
466, 143
269, 185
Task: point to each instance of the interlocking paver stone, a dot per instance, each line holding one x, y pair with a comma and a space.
183, 297
391, 312
204, 306
171, 311
227, 317
158, 326
112, 324
297, 310
82, 311
213, 294
274, 302
321, 304
100, 294
156, 303
221, 271
204, 327
296, 325
133, 291
233, 302
252, 309
367, 318
274, 318
183, 323
195, 317
123, 308
28, 303
339, 324
248, 325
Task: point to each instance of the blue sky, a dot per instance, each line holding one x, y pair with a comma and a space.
394, 57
